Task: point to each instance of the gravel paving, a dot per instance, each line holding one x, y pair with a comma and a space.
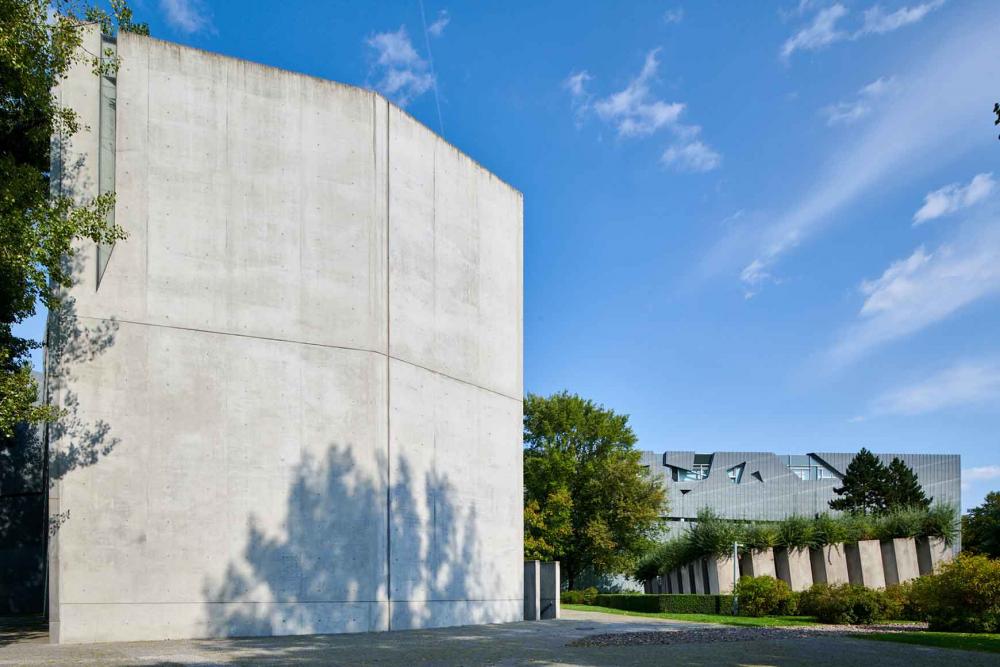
711, 635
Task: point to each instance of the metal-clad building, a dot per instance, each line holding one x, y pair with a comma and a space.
767, 486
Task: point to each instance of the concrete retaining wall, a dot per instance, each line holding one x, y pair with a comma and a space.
864, 564
549, 585
793, 567
932, 552
758, 564
899, 560
829, 565
720, 575
532, 590
302, 412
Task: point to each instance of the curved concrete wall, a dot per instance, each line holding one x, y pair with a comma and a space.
294, 398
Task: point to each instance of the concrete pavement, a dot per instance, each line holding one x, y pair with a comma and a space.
530, 643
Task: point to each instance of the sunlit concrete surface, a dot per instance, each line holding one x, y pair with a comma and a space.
294, 392
523, 643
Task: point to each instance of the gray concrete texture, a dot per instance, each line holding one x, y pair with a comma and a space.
758, 564
532, 590
864, 564
899, 560
295, 397
829, 564
549, 586
720, 575
931, 553
793, 566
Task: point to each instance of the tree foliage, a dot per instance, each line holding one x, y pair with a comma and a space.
589, 502
981, 527
39, 42
871, 487
902, 489
864, 486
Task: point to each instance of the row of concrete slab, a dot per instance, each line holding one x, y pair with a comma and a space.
870, 563
541, 590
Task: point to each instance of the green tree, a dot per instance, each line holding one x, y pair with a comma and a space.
589, 502
902, 489
864, 489
38, 229
981, 527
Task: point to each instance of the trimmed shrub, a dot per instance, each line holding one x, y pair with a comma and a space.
761, 596
675, 604
790, 605
964, 596
585, 596
843, 605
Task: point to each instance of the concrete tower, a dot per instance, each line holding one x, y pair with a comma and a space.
293, 394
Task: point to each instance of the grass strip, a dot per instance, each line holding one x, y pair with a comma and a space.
751, 621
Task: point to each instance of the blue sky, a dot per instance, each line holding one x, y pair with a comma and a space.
747, 225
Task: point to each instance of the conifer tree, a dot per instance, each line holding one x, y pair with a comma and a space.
865, 486
902, 487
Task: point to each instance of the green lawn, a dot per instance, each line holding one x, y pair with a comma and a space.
961, 640
765, 621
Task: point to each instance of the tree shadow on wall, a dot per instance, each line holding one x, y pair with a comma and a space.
331, 548
75, 442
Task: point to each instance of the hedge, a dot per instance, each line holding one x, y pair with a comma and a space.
675, 604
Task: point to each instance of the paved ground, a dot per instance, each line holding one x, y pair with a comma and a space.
538, 643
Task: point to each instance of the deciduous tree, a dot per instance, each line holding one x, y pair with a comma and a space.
589, 502
39, 42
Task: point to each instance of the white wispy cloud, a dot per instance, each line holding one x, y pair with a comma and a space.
955, 197
942, 93
692, 156
878, 21
923, 289
979, 474
402, 74
185, 15
826, 27
634, 111
436, 28
576, 84
965, 383
822, 32
673, 15
851, 111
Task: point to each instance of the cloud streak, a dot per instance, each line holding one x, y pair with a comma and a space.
849, 112
935, 117
925, 288
826, 26
963, 384
955, 197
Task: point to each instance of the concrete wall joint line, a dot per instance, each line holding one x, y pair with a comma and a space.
302, 342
